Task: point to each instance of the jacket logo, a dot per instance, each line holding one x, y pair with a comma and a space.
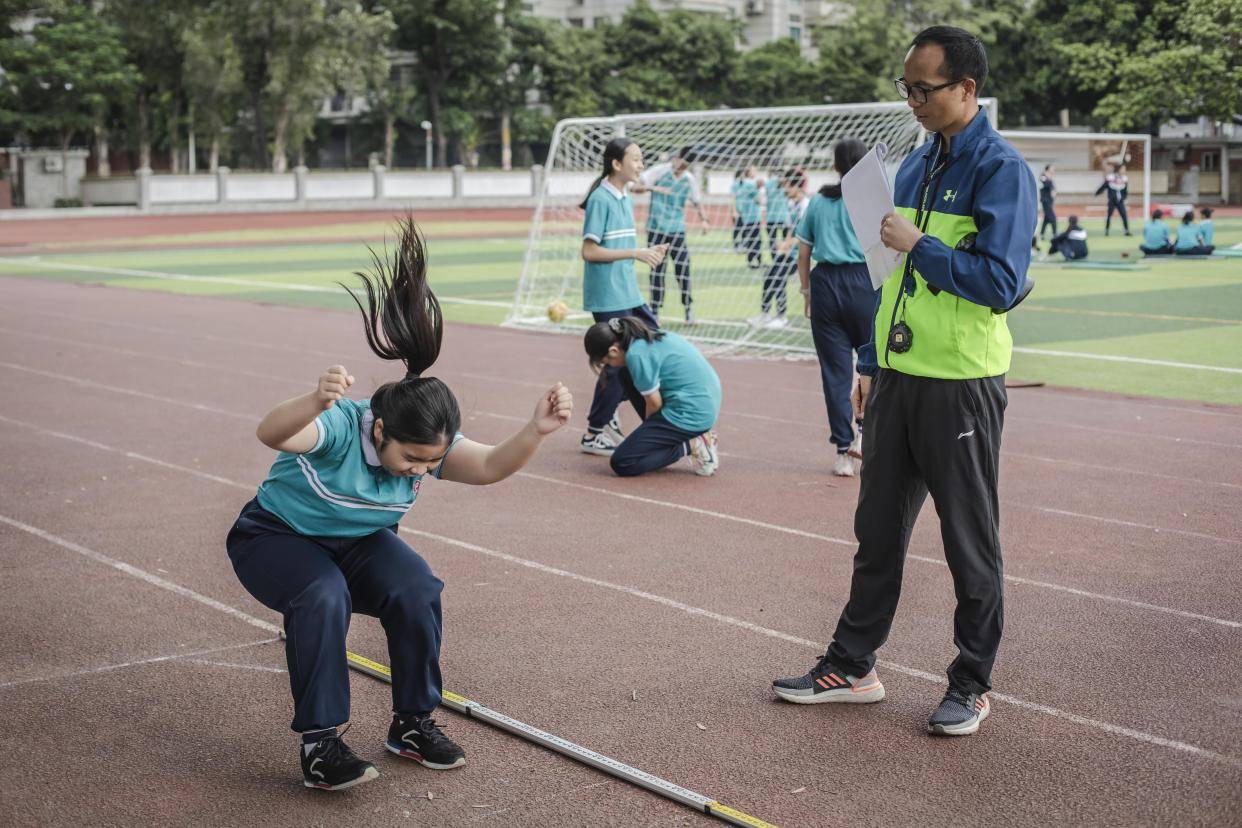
950, 195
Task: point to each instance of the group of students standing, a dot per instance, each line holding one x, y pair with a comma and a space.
1190, 238
674, 390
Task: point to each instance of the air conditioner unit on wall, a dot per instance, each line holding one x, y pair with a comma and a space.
53, 164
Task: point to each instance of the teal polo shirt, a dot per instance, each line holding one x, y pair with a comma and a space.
1155, 234
746, 200
1208, 230
668, 212
610, 286
685, 379
1187, 236
778, 204
339, 489
827, 228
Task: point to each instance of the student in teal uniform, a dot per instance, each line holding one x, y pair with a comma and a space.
1207, 228
672, 185
672, 387
839, 298
1190, 238
776, 210
319, 541
1156, 236
609, 290
747, 213
784, 255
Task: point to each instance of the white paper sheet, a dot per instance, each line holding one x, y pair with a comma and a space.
868, 198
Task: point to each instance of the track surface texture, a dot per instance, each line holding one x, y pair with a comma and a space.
642, 618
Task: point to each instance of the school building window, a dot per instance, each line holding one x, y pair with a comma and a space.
575, 22
1209, 162
796, 33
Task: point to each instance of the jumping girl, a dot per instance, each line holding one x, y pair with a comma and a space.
319, 541
609, 291
672, 387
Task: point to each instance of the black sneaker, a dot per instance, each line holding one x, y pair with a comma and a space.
332, 766
420, 739
959, 714
826, 683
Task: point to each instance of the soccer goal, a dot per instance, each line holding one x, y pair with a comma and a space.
727, 287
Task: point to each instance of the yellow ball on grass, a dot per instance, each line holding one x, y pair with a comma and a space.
558, 310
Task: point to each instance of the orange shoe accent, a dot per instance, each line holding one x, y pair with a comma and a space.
823, 683
836, 680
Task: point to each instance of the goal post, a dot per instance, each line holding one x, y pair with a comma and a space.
726, 288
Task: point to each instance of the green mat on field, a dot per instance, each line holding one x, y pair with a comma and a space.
1104, 266
1229, 254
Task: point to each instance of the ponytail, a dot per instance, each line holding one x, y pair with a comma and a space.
614, 151
402, 321
621, 332
845, 154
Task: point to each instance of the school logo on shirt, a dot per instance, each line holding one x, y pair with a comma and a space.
950, 195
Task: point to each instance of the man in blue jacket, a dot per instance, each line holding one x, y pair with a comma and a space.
966, 212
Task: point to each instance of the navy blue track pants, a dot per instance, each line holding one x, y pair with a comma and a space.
316, 584
843, 306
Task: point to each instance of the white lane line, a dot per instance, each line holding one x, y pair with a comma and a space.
143, 575
293, 287
1108, 727
819, 647
1132, 524
258, 667
191, 363
107, 668
1194, 366
340, 354
1082, 593
128, 391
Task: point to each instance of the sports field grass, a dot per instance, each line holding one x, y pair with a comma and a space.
1167, 327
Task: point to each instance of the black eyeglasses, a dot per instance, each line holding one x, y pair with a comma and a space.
919, 93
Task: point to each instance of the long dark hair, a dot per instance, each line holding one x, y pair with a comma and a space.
615, 151
620, 332
845, 154
402, 321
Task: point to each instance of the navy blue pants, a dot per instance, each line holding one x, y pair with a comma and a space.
750, 238
680, 256
843, 307
608, 390
316, 584
1050, 219
654, 444
783, 266
1120, 207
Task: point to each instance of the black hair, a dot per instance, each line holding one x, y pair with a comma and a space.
1047, 167
1189, 217
614, 151
964, 55
621, 332
845, 154
686, 153
402, 321
1157, 214
795, 176
1073, 221
1206, 212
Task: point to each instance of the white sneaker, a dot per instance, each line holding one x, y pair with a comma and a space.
613, 431
855, 449
703, 456
778, 322
844, 466
760, 320
600, 444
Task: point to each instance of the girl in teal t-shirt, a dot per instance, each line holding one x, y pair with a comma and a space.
320, 541
746, 215
1190, 238
672, 387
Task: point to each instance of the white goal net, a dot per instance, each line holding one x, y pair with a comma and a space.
727, 278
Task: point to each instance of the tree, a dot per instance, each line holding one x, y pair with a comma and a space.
1192, 66
59, 79
213, 78
776, 74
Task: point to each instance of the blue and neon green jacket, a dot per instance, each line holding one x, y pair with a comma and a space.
973, 258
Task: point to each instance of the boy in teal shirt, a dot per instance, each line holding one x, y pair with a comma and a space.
1156, 236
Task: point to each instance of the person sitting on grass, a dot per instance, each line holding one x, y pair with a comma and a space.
1207, 229
1156, 236
1190, 238
1072, 244
673, 388
319, 541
